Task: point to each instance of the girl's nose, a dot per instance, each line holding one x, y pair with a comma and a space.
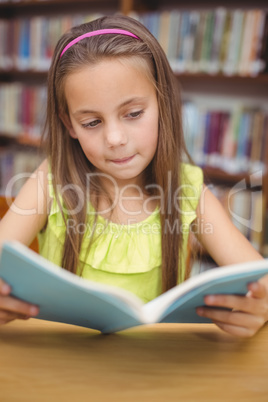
115, 135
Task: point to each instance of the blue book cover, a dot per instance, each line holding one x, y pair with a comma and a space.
24, 44
65, 297
243, 132
183, 31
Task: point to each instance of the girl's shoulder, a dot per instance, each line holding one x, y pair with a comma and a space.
191, 174
190, 191
43, 175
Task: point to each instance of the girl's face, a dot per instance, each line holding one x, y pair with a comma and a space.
113, 113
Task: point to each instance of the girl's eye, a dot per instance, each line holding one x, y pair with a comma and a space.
92, 124
134, 115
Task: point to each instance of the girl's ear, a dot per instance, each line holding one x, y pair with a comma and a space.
67, 122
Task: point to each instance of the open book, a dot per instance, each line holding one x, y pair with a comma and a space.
65, 297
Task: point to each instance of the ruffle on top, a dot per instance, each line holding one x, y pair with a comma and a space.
116, 248
127, 249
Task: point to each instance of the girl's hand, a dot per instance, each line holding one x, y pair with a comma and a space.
11, 308
249, 313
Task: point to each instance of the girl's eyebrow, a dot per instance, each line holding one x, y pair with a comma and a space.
136, 99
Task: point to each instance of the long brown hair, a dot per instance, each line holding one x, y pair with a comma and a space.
68, 163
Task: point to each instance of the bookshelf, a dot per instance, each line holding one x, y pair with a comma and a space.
22, 85
195, 83
224, 83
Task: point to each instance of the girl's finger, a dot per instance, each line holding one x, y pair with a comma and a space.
11, 304
245, 304
235, 330
6, 316
235, 322
5, 289
237, 318
257, 290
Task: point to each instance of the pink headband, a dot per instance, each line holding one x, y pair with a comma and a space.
98, 32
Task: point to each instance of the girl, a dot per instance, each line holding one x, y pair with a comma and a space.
113, 201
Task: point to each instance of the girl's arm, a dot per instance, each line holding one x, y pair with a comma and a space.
227, 245
26, 217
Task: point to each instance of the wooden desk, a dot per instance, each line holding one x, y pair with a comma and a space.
44, 361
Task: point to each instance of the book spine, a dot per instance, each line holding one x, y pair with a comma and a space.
20, 119
190, 64
223, 124
12, 163
173, 38
231, 63
242, 141
164, 28
264, 144
263, 56
257, 136
224, 45
207, 42
198, 42
231, 138
6, 61
210, 41
244, 64
257, 64
6, 168
2, 44
35, 42
220, 16
24, 44
245, 208
184, 26
198, 154
256, 233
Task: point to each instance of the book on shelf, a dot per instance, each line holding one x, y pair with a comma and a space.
175, 19
6, 168
245, 208
211, 41
240, 210
180, 58
245, 47
31, 40
64, 297
256, 62
191, 64
207, 41
258, 132
263, 56
16, 165
198, 40
243, 136
24, 40
264, 144
220, 16
236, 31
231, 41
164, 30
256, 234
26, 117
229, 137
225, 39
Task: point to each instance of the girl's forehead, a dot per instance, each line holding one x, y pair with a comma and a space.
136, 63
107, 84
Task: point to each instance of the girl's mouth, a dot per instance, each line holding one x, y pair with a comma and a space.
122, 161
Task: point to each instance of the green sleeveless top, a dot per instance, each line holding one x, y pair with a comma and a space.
128, 256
